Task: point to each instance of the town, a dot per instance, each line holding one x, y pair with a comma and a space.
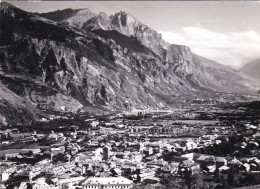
207, 144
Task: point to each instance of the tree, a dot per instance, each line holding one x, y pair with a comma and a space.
190, 180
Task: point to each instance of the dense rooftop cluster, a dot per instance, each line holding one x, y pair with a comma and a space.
143, 148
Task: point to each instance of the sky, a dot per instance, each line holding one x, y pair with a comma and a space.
225, 31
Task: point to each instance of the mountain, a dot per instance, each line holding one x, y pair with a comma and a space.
76, 60
205, 72
71, 17
252, 69
16, 110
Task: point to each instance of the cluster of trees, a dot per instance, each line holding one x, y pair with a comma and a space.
188, 180
5, 137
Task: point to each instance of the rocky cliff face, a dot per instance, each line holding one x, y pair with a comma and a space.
70, 60
127, 25
207, 73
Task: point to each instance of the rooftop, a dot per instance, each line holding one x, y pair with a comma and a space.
107, 181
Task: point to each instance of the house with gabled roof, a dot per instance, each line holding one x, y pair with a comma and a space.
107, 183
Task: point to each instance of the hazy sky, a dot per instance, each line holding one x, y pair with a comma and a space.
227, 32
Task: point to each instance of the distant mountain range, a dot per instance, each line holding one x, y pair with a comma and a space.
70, 60
252, 68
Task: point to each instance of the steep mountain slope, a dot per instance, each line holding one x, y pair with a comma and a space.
252, 69
15, 109
73, 62
205, 72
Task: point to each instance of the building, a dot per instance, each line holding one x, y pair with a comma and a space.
42, 183
209, 160
106, 152
107, 183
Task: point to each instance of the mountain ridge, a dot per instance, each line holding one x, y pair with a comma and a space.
128, 25
58, 67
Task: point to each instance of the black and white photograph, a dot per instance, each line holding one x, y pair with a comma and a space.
129, 94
